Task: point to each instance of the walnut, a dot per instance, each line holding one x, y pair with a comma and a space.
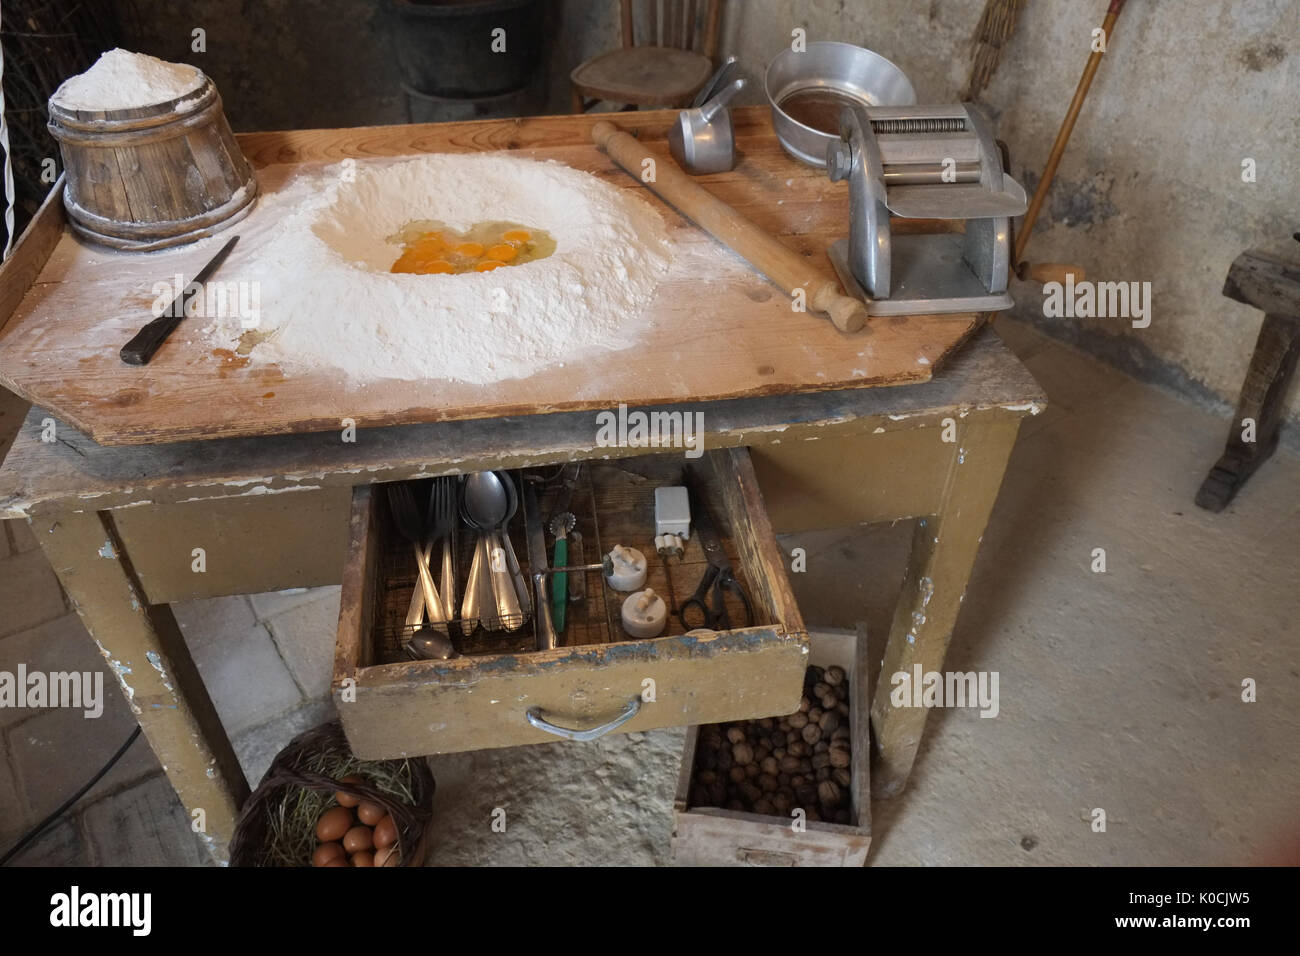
799, 721
840, 756
751, 770
803, 706
821, 689
750, 792
763, 805
842, 776
706, 776
834, 676
811, 734
766, 723
841, 733
790, 764
829, 723
742, 754
782, 801
769, 764
829, 793
797, 781
821, 760
767, 783
830, 702
735, 734
842, 709
814, 714
821, 747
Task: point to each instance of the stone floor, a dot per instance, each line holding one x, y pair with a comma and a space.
1118, 690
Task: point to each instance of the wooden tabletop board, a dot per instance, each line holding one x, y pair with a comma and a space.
74, 473
720, 330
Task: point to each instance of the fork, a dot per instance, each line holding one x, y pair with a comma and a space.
401, 499
440, 522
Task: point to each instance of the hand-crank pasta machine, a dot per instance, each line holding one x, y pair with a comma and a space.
924, 162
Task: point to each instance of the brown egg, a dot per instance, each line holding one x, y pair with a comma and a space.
341, 861
333, 823
327, 852
388, 856
370, 813
348, 799
385, 832
358, 839
364, 858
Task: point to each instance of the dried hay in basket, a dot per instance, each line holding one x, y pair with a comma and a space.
277, 826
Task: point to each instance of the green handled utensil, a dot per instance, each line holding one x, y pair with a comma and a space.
561, 525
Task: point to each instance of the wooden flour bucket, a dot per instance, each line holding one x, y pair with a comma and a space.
155, 176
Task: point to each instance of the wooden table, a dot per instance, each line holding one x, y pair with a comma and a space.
119, 524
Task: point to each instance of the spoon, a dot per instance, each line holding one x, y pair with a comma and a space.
516, 575
428, 643
487, 507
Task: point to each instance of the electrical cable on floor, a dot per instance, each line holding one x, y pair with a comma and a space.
36, 831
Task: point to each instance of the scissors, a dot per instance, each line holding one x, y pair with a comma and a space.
709, 601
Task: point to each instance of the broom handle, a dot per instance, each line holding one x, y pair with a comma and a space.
1063, 135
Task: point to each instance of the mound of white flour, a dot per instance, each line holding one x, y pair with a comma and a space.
122, 80
329, 301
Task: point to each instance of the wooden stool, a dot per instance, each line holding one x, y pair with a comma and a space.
1268, 279
667, 72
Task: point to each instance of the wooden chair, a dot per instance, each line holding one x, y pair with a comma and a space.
674, 62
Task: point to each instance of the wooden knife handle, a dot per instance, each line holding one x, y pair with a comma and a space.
145, 343
785, 267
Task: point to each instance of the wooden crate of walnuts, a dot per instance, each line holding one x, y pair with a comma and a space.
788, 790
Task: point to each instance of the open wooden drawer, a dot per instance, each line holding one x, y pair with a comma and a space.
502, 689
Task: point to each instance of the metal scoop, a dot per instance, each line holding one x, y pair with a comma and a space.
702, 140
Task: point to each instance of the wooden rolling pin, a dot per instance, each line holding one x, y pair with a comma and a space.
785, 267
1045, 272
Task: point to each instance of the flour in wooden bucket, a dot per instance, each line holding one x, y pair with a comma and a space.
121, 80
329, 301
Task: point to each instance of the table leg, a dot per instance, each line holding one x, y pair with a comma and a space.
1277, 350
943, 554
144, 648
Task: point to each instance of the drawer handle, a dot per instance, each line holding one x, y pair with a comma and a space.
535, 718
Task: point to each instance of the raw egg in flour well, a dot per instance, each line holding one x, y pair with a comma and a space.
430, 248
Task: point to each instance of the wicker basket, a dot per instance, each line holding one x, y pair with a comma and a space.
291, 771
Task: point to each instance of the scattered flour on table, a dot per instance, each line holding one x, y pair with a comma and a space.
329, 301
122, 80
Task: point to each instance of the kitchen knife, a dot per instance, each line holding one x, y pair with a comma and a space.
149, 339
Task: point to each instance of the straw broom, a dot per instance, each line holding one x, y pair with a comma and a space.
992, 34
